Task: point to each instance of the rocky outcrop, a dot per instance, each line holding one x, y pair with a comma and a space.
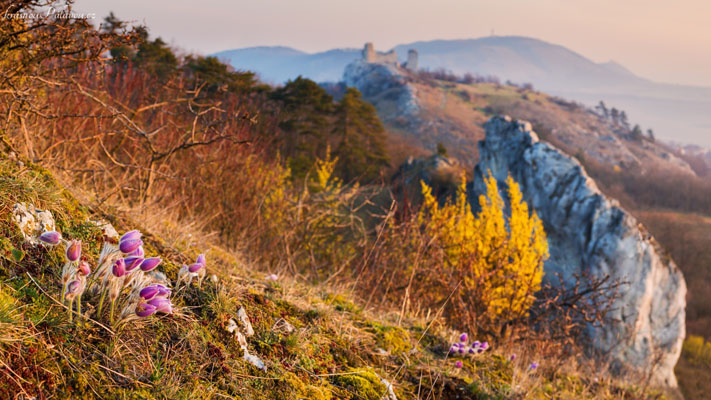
372, 79
589, 232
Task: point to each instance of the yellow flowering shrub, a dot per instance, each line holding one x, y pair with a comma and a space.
312, 222
495, 261
697, 350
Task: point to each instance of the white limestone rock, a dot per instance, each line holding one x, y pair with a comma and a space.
589, 232
32, 221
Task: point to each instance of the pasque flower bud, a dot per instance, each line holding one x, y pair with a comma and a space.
83, 268
74, 250
149, 263
50, 237
119, 268
195, 267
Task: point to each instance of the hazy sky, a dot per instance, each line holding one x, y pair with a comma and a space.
667, 41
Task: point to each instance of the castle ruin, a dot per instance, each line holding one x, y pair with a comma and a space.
370, 55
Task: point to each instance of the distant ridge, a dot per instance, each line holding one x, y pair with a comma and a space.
678, 112
278, 64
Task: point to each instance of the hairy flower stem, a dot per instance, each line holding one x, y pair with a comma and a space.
101, 303
111, 314
64, 291
71, 303
79, 306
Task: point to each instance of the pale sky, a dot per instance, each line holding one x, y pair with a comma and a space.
663, 40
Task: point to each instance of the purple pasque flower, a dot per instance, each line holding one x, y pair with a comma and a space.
459, 364
132, 262
512, 357
72, 289
461, 350
162, 305
476, 344
272, 277
484, 345
119, 268
149, 263
50, 237
130, 235
193, 268
130, 245
83, 268
463, 337
453, 349
533, 366
472, 350
145, 310
201, 260
74, 250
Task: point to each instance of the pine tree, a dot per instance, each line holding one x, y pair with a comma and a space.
220, 77
304, 122
361, 139
155, 56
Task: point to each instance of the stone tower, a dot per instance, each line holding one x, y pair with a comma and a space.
369, 54
411, 63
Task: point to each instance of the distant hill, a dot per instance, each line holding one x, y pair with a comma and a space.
519, 59
279, 64
674, 111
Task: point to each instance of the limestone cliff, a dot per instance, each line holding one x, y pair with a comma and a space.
372, 78
589, 232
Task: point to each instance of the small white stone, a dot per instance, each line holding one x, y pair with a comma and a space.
244, 320
108, 229
231, 326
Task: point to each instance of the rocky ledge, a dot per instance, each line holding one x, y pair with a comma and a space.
591, 234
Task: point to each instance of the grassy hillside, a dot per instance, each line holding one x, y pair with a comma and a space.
316, 343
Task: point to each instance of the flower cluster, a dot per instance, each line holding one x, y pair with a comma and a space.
122, 269
125, 268
462, 349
